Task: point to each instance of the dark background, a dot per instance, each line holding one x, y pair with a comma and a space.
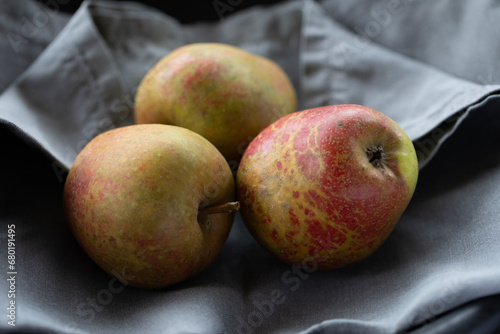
186, 11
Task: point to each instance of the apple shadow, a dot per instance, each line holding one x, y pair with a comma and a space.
470, 152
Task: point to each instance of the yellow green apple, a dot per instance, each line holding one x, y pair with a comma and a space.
222, 92
155, 202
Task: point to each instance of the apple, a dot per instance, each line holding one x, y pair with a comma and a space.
323, 188
152, 202
220, 91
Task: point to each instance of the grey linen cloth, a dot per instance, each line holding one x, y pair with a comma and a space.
431, 66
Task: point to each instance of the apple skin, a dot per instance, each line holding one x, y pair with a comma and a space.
309, 193
132, 196
220, 91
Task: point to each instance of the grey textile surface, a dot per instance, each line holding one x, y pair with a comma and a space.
430, 66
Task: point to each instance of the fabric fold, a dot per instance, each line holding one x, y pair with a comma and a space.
340, 66
64, 98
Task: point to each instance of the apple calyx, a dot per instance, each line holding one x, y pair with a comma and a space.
222, 208
376, 155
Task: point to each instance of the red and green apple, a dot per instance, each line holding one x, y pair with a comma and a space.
326, 185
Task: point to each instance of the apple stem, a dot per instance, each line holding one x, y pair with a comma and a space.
223, 208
